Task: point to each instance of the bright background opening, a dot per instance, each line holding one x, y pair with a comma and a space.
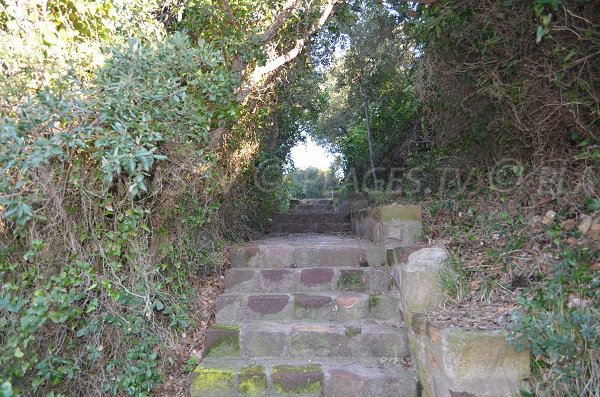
309, 154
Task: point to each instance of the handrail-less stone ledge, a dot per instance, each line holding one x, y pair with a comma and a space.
389, 225
450, 361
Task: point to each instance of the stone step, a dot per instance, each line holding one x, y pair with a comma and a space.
311, 209
219, 377
302, 217
308, 251
365, 338
312, 201
319, 227
311, 279
323, 306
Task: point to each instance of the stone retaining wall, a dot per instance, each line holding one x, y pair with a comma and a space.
390, 225
450, 361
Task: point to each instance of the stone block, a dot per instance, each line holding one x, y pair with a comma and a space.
252, 381
266, 305
482, 363
277, 280
378, 341
228, 308
212, 382
238, 279
222, 341
352, 280
384, 307
419, 281
392, 225
458, 362
317, 340
351, 306
264, 340
316, 277
290, 380
315, 307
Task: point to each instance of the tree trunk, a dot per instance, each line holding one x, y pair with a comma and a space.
276, 62
369, 137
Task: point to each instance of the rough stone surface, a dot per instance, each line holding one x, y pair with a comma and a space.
267, 304
392, 225
318, 340
418, 280
311, 315
293, 380
221, 341
316, 276
265, 340
467, 362
307, 250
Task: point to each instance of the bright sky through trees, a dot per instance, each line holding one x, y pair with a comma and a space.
309, 154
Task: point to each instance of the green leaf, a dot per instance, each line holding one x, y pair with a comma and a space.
592, 204
19, 353
539, 34
58, 317
6, 390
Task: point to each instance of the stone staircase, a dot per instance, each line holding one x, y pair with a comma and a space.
319, 315
308, 315
311, 216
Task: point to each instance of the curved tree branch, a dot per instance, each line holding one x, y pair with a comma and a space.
274, 63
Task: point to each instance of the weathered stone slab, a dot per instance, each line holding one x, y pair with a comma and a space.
455, 361
222, 341
212, 382
316, 307
317, 340
352, 280
264, 340
351, 306
316, 277
384, 307
252, 381
419, 280
267, 304
392, 225
357, 381
289, 380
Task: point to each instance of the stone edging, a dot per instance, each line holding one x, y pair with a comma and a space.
450, 361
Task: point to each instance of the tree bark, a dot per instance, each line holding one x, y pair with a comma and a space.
273, 64
369, 136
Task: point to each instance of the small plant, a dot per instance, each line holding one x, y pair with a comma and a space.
558, 323
190, 364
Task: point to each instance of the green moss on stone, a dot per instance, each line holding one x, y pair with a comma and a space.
309, 387
351, 281
374, 301
353, 331
400, 213
252, 381
210, 381
228, 345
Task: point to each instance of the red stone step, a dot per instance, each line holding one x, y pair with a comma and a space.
322, 306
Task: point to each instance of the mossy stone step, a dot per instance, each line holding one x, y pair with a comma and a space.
328, 378
315, 227
307, 339
311, 217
